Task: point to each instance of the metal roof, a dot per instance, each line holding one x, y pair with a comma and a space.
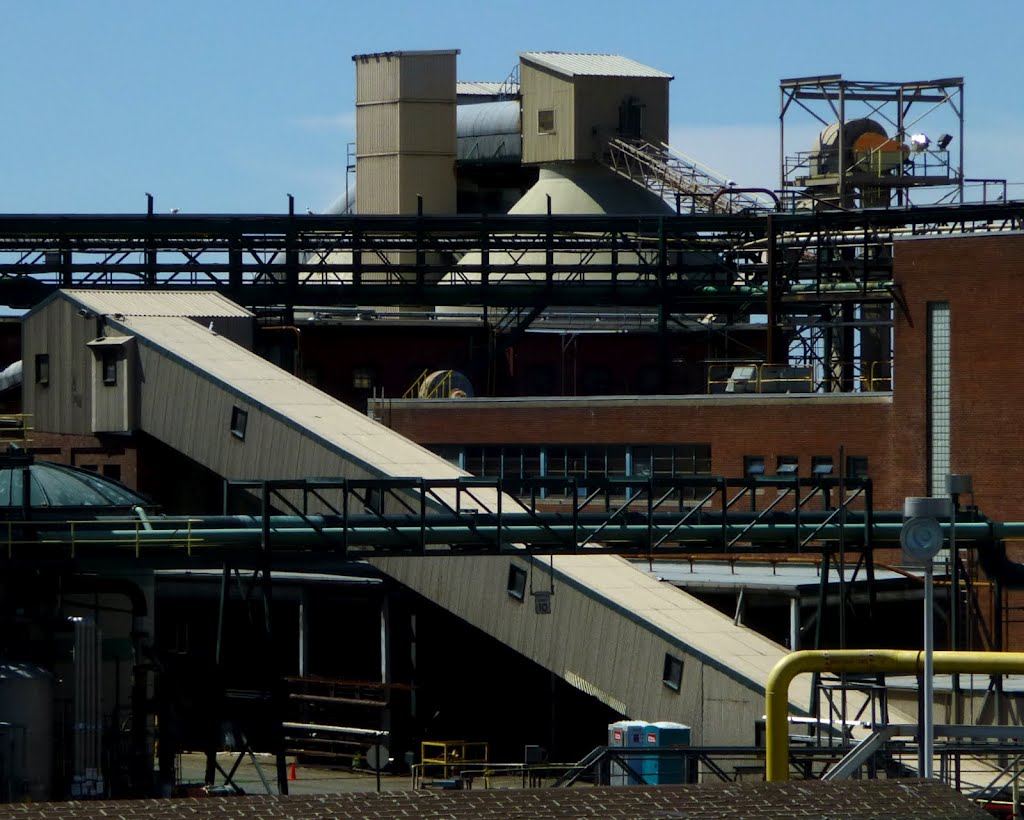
780, 576
483, 89
334, 423
57, 485
591, 65
156, 303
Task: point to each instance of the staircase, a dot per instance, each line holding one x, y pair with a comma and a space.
680, 180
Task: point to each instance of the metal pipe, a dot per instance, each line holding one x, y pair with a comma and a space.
901, 661
557, 532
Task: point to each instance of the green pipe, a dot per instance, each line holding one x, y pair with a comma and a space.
558, 533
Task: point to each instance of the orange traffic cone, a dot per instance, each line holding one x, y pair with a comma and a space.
291, 772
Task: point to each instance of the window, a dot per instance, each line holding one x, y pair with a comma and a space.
109, 363
362, 378
821, 466
42, 368
112, 471
516, 582
753, 466
857, 467
672, 675
239, 420
546, 121
787, 465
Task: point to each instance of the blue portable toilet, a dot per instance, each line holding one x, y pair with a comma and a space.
629, 734
663, 766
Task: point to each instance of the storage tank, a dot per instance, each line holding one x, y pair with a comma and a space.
26, 732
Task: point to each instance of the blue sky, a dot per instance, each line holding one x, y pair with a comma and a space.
227, 105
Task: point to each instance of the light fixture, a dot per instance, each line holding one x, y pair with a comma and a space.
944, 141
919, 143
787, 469
822, 468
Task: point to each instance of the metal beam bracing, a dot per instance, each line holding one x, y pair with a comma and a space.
685, 263
344, 520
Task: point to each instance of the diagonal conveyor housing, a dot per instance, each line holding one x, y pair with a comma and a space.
611, 626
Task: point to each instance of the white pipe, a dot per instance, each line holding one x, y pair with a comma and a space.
928, 727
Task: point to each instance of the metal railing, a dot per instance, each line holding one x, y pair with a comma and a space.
764, 377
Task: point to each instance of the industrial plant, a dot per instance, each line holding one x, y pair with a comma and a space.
544, 450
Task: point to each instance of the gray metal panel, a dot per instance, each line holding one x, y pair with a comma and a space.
591, 65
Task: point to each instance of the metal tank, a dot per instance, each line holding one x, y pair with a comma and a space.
26, 732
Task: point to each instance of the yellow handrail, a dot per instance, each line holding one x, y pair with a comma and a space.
414, 388
860, 660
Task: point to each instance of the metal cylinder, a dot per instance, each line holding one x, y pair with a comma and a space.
959, 484
926, 507
26, 732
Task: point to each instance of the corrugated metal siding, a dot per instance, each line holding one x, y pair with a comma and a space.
598, 100
427, 127
545, 90
428, 76
618, 659
377, 78
113, 405
212, 366
433, 178
377, 192
377, 131
417, 117
156, 303
591, 65
65, 404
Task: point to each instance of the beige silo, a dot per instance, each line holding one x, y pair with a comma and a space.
405, 132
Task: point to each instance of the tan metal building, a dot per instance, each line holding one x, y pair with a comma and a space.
405, 131
573, 104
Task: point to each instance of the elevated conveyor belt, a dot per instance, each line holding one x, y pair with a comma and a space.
611, 630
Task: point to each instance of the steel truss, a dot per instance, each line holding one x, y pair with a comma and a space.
687, 262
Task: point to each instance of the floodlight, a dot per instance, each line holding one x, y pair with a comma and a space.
944, 141
919, 143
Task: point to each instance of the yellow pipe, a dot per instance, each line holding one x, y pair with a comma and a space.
904, 661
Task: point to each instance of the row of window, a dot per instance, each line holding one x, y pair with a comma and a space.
820, 466
518, 463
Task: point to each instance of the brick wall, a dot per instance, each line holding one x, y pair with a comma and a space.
114, 458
